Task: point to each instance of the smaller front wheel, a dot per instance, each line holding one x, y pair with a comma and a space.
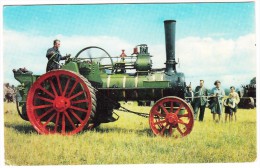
171, 116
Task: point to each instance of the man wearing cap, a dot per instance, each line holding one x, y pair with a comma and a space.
219, 93
200, 100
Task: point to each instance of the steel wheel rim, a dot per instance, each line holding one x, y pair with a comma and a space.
56, 107
165, 117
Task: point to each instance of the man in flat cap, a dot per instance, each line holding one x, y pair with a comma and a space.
219, 93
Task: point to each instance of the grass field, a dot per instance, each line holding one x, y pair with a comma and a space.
129, 140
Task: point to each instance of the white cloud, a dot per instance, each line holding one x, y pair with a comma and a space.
233, 61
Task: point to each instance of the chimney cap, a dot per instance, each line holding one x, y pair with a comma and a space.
169, 21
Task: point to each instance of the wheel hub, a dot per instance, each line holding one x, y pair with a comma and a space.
172, 118
61, 103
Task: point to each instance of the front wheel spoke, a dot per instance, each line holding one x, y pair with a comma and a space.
47, 122
178, 128
157, 113
164, 127
44, 99
80, 101
42, 106
171, 107
63, 124
178, 110
181, 122
76, 116
183, 115
170, 130
46, 113
160, 122
70, 120
164, 109
79, 109
76, 95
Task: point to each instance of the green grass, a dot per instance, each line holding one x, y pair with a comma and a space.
129, 140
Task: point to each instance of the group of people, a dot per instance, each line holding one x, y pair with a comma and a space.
9, 93
201, 97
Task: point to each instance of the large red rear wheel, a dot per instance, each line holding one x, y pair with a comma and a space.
60, 101
171, 116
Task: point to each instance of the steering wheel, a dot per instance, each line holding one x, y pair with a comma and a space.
95, 53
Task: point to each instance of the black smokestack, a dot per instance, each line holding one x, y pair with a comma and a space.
169, 26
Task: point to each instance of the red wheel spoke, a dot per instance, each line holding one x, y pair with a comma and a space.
42, 106
63, 124
183, 115
44, 99
80, 101
57, 121
181, 122
178, 128
68, 117
178, 110
159, 125
164, 109
76, 116
162, 131
171, 107
157, 113
72, 89
53, 88
170, 130
59, 84
160, 122
66, 87
76, 95
46, 91
47, 122
79, 109
46, 113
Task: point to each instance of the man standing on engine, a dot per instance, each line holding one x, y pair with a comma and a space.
54, 56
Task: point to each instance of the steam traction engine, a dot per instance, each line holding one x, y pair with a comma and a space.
88, 87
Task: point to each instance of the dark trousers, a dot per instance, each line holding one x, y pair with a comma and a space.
202, 110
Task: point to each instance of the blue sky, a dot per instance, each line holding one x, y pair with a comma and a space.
204, 30
131, 21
